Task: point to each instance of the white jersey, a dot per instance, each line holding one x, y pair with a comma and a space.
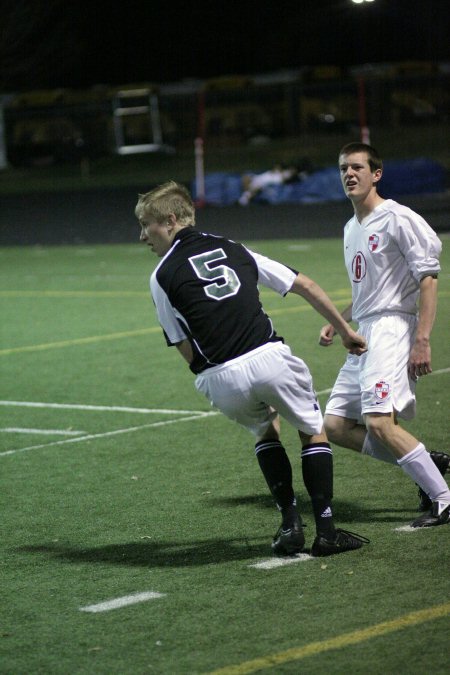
386, 256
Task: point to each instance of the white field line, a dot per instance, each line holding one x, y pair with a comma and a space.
440, 372
44, 432
123, 601
107, 408
116, 432
193, 414
273, 563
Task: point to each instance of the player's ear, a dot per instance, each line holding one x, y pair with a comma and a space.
377, 175
171, 220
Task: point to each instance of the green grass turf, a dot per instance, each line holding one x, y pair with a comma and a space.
182, 509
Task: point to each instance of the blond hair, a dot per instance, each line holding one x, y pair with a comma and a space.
165, 199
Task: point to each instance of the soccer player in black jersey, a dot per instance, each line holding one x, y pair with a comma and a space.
205, 291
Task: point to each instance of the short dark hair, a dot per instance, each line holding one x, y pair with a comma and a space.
373, 156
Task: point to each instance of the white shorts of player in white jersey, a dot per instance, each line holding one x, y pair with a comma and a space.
254, 387
378, 381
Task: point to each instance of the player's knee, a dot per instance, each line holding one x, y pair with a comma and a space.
379, 426
335, 428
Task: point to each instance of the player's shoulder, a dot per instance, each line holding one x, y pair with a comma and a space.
400, 210
402, 216
403, 221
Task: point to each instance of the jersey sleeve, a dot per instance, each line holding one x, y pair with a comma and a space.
166, 314
419, 244
273, 274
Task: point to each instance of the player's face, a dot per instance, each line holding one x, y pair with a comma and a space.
157, 236
357, 177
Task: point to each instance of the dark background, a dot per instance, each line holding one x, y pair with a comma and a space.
107, 216
67, 43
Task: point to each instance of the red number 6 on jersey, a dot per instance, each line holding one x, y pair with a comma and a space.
359, 268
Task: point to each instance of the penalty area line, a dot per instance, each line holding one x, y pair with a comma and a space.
124, 601
106, 434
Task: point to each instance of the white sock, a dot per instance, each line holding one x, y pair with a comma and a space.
375, 449
420, 467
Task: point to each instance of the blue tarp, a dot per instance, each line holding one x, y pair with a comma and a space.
416, 176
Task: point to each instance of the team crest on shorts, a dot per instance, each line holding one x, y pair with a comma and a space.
382, 390
374, 240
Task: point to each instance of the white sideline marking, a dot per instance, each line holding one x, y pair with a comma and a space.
114, 408
89, 437
48, 432
122, 602
407, 528
272, 563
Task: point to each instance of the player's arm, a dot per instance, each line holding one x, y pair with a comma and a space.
318, 299
328, 332
420, 357
185, 349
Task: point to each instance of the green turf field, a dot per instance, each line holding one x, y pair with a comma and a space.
136, 525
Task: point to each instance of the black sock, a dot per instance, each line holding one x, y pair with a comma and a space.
317, 468
277, 470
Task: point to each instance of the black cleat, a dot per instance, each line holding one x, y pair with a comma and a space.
436, 516
343, 541
442, 462
288, 541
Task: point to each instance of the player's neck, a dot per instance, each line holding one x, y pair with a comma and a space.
364, 207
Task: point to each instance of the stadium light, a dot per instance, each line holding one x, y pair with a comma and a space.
359, 2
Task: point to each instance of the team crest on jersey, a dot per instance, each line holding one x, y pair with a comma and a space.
374, 240
382, 390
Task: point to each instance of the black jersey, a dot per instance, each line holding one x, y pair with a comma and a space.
205, 289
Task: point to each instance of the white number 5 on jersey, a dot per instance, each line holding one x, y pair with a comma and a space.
225, 281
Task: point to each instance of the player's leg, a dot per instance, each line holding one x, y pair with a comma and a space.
277, 471
388, 392
349, 433
317, 469
416, 462
233, 392
289, 389
343, 420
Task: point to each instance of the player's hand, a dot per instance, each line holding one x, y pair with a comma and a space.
420, 360
355, 343
326, 335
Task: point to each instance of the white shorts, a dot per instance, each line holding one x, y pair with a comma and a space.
253, 388
378, 381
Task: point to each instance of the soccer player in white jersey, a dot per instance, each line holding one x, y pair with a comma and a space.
392, 259
205, 290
